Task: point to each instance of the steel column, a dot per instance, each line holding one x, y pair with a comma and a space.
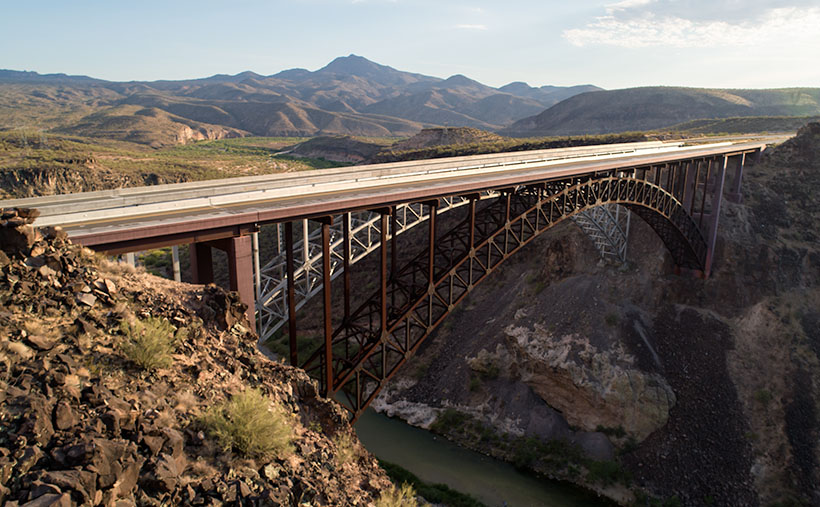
711, 239
294, 359
383, 276
346, 264
735, 194
431, 242
705, 190
175, 263
690, 185
328, 317
393, 253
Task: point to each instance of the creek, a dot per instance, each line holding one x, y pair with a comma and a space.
435, 459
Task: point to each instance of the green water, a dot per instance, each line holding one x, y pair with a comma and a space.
436, 460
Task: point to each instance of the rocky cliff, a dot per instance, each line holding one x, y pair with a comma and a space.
119, 388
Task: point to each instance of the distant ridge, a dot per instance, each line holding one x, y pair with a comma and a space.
650, 108
351, 95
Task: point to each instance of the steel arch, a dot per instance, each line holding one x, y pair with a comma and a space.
382, 333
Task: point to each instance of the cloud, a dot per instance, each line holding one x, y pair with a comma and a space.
627, 4
786, 25
471, 27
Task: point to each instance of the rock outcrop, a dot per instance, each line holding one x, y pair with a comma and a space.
83, 424
591, 388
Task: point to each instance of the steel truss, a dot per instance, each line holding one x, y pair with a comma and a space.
377, 338
364, 238
607, 227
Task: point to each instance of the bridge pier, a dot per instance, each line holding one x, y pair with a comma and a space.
240, 267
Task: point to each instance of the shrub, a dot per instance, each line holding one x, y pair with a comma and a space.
763, 397
251, 425
611, 319
605, 472
345, 448
449, 419
149, 343
403, 496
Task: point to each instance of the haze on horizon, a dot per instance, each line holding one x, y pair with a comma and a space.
612, 44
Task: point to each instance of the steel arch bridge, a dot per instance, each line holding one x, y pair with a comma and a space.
679, 201
508, 200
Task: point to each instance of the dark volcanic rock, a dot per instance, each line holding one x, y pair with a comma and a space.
81, 424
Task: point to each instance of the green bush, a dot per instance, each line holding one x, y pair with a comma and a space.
149, 343
448, 420
605, 472
763, 397
250, 424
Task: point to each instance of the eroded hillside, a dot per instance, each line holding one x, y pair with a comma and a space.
119, 388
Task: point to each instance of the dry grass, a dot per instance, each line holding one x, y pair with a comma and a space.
403, 496
250, 424
149, 343
346, 448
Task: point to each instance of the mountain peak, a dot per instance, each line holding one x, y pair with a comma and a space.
460, 80
516, 87
354, 65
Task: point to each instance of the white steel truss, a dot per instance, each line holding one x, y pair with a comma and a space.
608, 228
365, 233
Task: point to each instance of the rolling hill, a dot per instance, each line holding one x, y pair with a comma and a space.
650, 108
349, 96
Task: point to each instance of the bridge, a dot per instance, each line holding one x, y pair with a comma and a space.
327, 221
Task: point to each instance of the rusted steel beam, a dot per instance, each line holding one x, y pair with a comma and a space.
383, 276
431, 243
393, 252
735, 194
346, 264
294, 357
328, 316
125, 243
705, 191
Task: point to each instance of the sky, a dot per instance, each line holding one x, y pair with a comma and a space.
611, 44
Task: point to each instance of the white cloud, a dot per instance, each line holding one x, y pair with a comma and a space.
627, 4
471, 27
788, 25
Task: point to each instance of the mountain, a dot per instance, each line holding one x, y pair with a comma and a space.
547, 95
349, 96
650, 108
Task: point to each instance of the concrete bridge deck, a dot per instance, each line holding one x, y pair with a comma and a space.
130, 219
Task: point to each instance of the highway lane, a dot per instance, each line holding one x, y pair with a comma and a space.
182, 208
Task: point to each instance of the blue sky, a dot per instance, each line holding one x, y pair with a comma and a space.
614, 44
